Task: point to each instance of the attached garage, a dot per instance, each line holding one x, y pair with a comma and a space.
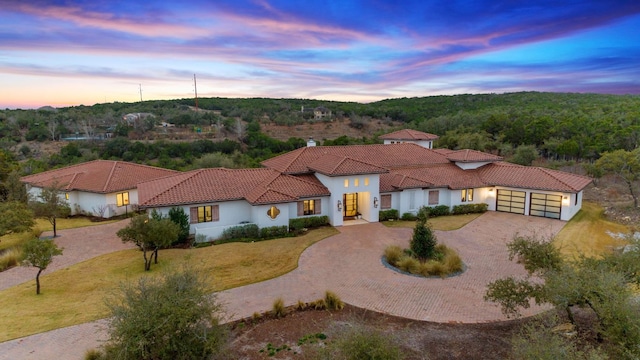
511, 201
545, 205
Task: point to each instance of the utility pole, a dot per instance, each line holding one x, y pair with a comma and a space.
140, 92
195, 86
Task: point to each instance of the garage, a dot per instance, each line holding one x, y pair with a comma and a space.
511, 201
545, 205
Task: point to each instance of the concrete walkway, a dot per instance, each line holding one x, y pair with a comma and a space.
350, 265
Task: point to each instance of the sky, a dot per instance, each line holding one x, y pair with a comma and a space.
64, 53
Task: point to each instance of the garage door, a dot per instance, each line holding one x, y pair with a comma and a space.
511, 201
546, 205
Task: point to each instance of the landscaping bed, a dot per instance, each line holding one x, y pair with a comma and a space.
418, 339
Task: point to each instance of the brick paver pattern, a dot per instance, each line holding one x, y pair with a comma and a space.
348, 264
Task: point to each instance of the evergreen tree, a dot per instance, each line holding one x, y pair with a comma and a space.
423, 241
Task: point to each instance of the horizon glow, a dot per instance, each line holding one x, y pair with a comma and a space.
65, 53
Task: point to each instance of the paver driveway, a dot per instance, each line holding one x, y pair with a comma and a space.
350, 265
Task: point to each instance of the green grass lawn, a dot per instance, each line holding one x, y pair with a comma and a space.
443, 223
76, 294
586, 234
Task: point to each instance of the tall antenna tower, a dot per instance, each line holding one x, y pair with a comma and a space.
140, 85
195, 86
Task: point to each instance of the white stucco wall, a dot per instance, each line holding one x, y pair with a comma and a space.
472, 165
366, 194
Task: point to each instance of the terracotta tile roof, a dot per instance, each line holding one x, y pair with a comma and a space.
408, 134
512, 175
257, 186
385, 156
99, 176
467, 155
432, 176
333, 165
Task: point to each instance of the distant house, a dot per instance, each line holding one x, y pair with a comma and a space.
319, 112
411, 136
132, 118
101, 188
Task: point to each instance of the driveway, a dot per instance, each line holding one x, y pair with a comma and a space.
350, 265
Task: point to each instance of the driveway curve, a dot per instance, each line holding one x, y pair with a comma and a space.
350, 265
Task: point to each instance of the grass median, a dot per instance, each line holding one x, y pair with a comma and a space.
75, 295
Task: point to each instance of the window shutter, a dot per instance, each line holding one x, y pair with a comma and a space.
317, 203
300, 208
215, 213
434, 197
193, 215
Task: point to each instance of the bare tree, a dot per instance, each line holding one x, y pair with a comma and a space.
100, 210
52, 126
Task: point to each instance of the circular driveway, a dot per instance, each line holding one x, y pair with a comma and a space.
349, 264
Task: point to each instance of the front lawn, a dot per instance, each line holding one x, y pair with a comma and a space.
75, 295
588, 233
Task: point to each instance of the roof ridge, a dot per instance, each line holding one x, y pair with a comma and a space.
106, 183
555, 177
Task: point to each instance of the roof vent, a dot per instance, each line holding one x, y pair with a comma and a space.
311, 143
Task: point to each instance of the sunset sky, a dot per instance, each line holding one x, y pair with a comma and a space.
63, 53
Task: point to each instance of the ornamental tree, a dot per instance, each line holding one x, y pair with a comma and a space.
39, 253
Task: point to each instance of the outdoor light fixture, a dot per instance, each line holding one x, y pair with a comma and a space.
339, 205
375, 202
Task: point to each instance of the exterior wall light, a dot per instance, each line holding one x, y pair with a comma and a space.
339, 205
375, 202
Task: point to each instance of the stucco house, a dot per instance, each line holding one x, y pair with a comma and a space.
102, 188
342, 182
357, 181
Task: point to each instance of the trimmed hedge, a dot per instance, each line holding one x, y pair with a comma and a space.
308, 222
469, 209
249, 231
391, 214
273, 232
409, 217
435, 211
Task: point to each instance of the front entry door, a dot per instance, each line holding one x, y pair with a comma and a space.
350, 202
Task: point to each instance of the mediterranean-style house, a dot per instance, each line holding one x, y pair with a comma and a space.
102, 188
355, 181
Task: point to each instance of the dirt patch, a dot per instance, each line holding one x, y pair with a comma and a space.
296, 335
329, 130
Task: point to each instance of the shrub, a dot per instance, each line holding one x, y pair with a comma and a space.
319, 304
359, 342
435, 211
273, 232
308, 222
452, 261
249, 231
180, 218
469, 209
432, 267
278, 310
423, 241
10, 257
391, 214
333, 301
409, 264
393, 253
409, 217
93, 354
301, 305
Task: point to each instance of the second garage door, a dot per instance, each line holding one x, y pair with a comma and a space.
511, 201
546, 205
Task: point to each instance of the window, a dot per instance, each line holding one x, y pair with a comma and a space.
385, 201
366, 181
346, 183
309, 207
201, 214
356, 182
273, 212
434, 197
122, 199
467, 195
412, 200
66, 196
